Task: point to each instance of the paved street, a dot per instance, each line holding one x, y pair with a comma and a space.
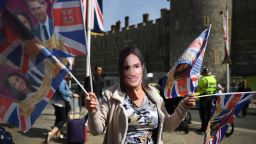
38, 133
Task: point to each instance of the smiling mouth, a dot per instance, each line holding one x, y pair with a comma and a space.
132, 79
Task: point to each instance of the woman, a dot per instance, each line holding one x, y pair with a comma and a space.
61, 104
133, 112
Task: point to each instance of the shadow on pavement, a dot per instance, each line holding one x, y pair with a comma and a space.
6, 125
196, 130
251, 113
35, 133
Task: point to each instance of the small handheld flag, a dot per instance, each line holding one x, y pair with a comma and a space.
184, 74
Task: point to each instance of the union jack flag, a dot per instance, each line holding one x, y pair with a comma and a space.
226, 106
96, 17
184, 74
69, 28
24, 94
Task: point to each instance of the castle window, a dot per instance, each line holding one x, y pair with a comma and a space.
143, 48
206, 20
116, 40
162, 52
106, 42
177, 25
167, 29
113, 52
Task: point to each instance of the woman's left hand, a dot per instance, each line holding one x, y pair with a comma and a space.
190, 100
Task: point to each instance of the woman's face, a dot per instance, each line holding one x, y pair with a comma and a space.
25, 22
17, 82
133, 71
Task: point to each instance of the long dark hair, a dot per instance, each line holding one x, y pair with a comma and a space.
26, 16
122, 56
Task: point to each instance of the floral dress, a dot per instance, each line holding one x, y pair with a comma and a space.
142, 121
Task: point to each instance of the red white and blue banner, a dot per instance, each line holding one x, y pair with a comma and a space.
29, 72
226, 38
184, 74
63, 20
226, 106
69, 27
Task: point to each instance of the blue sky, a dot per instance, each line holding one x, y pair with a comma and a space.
114, 10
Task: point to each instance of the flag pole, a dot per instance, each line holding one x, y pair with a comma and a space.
69, 72
228, 73
87, 25
89, 42
228, 78
230, 93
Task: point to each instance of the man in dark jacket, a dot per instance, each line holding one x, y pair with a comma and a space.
243, 87
97, 81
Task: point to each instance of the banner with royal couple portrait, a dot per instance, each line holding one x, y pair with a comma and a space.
34, 45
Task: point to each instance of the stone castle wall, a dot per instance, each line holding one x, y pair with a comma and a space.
243, 44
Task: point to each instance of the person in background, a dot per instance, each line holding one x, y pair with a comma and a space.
97, 81
132, 111
233, 86
206, 85
61, 104
243, 87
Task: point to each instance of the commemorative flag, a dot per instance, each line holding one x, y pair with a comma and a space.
29, 72
184, 74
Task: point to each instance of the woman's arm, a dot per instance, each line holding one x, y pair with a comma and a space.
97, 119
171, 122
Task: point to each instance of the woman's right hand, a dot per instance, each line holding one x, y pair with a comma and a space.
91, 102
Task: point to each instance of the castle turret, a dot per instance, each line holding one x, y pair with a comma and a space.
126, 22
118, 26
145, 18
